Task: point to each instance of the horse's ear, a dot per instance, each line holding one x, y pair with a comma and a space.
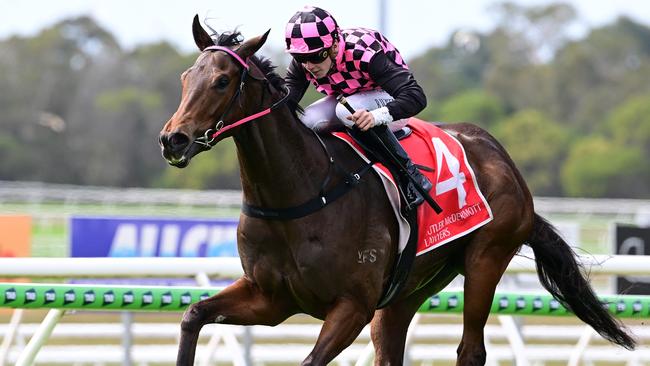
248, 48
201, 37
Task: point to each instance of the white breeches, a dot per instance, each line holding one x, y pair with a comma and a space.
327, 115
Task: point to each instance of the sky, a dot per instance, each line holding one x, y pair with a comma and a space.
412, 25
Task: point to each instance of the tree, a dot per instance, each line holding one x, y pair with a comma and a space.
157, 67
535, 32
594, 75
597, 167
629, 124
459, 66
613, 164
134, 155
474, 106
538, 146
43, 73
521, 50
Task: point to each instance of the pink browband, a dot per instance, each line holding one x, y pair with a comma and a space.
228, 51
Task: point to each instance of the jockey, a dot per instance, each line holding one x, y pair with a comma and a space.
369, 71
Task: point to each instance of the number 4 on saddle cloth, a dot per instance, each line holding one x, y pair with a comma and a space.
464, 209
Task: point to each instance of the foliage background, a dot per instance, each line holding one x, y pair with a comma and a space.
573, 113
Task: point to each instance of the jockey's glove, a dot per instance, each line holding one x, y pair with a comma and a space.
382, 116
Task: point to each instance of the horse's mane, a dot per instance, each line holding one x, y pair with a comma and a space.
234, 38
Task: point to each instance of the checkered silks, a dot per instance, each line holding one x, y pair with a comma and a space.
310, 30
357, 47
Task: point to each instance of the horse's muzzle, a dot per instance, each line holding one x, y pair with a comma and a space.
174, 147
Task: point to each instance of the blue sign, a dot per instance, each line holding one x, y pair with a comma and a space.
140, 237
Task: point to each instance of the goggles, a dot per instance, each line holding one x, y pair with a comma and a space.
314, 58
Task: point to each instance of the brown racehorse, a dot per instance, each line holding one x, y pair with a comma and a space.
310, 264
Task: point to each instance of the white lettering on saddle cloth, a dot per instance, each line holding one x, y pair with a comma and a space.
457, 177
464, 208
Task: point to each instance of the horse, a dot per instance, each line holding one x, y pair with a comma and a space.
309, 264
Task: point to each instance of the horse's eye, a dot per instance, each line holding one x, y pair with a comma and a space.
222, 82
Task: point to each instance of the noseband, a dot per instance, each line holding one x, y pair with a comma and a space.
209, 138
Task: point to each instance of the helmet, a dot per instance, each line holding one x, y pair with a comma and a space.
310, 30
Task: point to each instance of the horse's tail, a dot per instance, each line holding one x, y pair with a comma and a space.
560, 273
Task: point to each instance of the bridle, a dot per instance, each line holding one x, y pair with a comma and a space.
209, 138
324, 197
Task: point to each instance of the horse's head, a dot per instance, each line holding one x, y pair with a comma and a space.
209, 100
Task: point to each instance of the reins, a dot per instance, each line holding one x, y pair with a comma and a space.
209, 139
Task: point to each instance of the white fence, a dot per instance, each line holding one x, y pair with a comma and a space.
41, 193
225, 267
507, 340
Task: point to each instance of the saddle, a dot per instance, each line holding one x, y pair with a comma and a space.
465, 208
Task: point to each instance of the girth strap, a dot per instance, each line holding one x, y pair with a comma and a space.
311, 206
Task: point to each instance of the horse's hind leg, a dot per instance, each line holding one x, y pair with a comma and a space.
486, 258
241, 303
390, 325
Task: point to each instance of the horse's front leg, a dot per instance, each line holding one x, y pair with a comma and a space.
242, 303
342, 325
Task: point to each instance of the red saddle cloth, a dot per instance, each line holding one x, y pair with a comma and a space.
464, 209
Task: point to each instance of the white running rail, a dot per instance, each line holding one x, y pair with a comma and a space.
223, 267
202, 269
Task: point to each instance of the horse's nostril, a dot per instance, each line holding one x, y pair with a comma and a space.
178, 140
174, 142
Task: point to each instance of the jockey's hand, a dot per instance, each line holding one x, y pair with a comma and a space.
363, 119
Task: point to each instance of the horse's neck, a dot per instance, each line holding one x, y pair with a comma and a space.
281, 162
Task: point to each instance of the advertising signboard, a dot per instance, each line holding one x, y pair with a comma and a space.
152, 237
632, 240
16, 237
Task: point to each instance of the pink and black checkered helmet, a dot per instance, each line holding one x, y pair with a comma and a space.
310, 30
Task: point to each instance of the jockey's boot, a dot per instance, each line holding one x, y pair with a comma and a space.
413, 197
